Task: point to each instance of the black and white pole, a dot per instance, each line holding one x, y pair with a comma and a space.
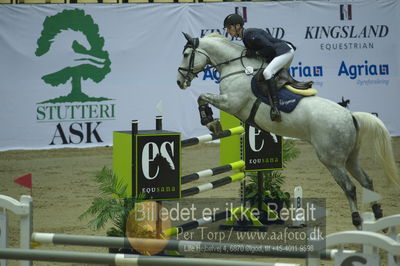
175, 245
197, 223
298, 206
214, 184
159, 119
159, 205
210, 137
134, 127
213, 171
115, 259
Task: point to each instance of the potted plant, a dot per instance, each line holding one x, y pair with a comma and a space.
112, 204
273, 181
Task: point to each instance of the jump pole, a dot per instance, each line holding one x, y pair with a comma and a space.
237, 130
212, 185
195, 190
117, 259
197, 223
209, 137
213, 171
175, 245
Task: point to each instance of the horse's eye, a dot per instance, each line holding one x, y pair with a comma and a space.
185, 55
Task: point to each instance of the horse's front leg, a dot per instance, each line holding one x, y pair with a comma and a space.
219, 101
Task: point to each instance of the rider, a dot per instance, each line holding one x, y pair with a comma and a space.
278, 53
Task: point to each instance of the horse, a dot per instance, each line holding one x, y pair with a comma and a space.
335, 132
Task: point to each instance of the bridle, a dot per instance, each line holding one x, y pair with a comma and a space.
190, 73
193, 43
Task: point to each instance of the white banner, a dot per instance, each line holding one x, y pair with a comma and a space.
70, 75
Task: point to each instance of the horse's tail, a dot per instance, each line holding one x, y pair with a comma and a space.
372, 130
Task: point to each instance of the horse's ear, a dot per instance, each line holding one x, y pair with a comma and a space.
192, 42
188, 37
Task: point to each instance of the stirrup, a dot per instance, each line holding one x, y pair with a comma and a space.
275, 114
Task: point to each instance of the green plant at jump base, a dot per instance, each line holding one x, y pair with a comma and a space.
112, 204
273, 180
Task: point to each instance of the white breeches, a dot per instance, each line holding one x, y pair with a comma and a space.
278, 63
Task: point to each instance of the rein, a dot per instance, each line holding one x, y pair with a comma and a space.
235, 73
226, 62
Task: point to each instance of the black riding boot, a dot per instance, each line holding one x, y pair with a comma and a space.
273, 90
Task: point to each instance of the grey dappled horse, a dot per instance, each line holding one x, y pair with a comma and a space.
334, 132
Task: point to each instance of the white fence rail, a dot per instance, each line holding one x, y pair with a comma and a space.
368, 238
23, 209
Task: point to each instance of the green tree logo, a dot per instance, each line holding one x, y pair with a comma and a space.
96, 64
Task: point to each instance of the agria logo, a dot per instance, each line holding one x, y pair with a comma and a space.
297, 71
93, 62
300, 71
366, 69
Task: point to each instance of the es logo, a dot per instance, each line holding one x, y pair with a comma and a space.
157, 166
263, 150
257, 140
157, 157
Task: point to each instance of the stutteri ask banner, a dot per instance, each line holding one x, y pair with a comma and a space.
70, 75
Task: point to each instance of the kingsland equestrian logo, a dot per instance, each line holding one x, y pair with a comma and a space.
276, 32
345, 12
91, 62
346, 37
346, 32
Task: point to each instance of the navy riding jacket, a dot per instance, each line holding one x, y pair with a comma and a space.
260, 41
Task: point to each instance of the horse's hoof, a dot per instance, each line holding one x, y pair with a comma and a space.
215, 127
356, 218
378, 213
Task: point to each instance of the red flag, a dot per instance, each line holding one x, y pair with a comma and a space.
25, 181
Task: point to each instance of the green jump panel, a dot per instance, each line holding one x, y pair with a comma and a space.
122, 157
149, 163
230, 148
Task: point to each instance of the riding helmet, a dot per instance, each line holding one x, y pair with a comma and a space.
233, 19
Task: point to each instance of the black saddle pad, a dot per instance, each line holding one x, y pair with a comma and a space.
287, 99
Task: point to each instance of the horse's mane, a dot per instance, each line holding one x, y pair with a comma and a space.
215, 35
218, 36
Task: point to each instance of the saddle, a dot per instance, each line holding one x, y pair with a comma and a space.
282, 78
290, 92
